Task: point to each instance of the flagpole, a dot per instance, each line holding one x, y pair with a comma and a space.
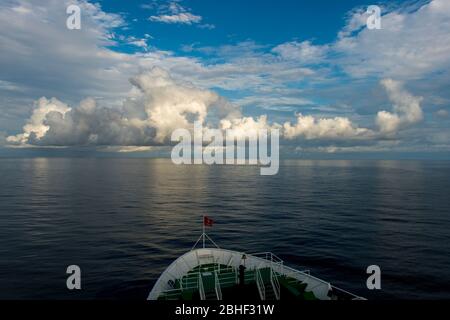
203, 224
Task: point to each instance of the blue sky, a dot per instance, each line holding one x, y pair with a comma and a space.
237, 21
137, 70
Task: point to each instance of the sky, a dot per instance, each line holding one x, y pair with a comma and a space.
137, 70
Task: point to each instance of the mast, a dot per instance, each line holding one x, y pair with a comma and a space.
203, 233
207, 222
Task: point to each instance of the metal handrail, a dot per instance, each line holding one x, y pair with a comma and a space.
260, 285
355, 297
289, 270
201, 289
188, 283
228, 277
217, 287
307, 272
172, 292
268, 256
275, 284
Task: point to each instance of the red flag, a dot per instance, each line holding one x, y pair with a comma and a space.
207, 222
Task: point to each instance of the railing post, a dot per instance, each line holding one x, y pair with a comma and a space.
275, 284
260, 285
201, 289
217, 286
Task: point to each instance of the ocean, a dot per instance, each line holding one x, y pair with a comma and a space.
123, 221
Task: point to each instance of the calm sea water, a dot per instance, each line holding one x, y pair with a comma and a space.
123, 221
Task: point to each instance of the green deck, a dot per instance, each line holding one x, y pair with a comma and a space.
186, 288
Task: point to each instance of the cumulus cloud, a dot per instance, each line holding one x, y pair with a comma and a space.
310, 127
407, 109
169, 105
158, 106
41, 58
36, 126
85, 124
242, 127
306, 127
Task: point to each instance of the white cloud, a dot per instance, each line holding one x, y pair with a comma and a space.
138, 42
442, 113
183, 18
208, 26
411, 44
388, 122
175, 13
36, 126
40, 57
377, 146
157, 107
168, 105
407, 109
40, 53
245, 125
243, 68
9, 86
310, 128
303, 52
126, 149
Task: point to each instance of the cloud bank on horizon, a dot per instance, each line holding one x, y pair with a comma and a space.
367, 90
